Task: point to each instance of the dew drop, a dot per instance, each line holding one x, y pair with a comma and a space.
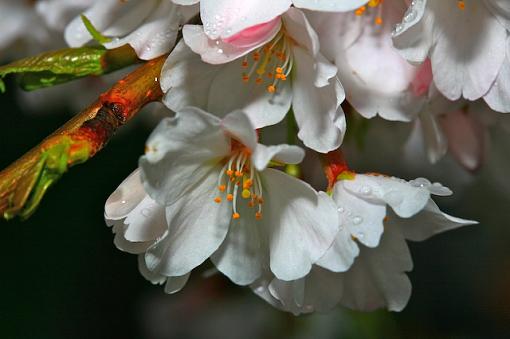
341, 209
146, 212
357, 220
410, 16
365, 190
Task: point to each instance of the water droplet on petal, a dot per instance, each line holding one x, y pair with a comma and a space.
357, 220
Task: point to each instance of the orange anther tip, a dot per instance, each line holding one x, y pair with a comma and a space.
239, 174
461, 5
378, 21
222, 188
236, 215
230, 197
258, 215
217, 200
279, 70
230, 173
271, 89
258, 81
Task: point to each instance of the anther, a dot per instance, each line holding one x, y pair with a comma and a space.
360, 11
222, 188
248, 183
271, 89
378, 21
461, 4
230, 173
246, 194
258, 215
217, 200
230, 197
236, 215
238, 173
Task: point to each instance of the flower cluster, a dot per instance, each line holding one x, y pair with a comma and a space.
208, 188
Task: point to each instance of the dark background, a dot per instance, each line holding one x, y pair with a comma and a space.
62, 277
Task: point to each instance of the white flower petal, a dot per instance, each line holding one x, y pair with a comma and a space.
302, 224
498, 97
361, 218
156, 35
224, 18
340, 256
317, 111
125, 198
286, 154
146, 222
186, 2
197, 227
180, 152
430, 221
464, 68
119, 228
319, 291
413, 38
405, 199
229, 93
175, 284
242, 255
298, 28
377, 279
215, 51
238, 125
328, 5
153, 277
500, 9
186, 80
110, 17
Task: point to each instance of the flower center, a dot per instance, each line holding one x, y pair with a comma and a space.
239, 181
270, 63
372, 5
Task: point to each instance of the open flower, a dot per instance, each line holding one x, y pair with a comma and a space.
376, 78
224, 203
263, 71
138, 221
372, 236
465, 40
149, 26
